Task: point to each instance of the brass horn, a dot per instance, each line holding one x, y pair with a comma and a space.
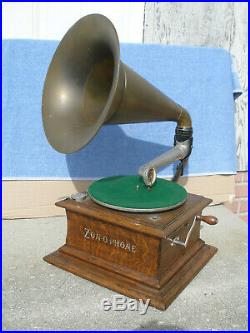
88, 86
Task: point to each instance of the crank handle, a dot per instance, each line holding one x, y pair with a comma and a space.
209, 219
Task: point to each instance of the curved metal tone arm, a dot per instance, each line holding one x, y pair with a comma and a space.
180, 151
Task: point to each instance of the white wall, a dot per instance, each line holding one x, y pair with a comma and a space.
51, 20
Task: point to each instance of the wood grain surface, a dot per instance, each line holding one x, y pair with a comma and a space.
131, 253
161, 224
207, 24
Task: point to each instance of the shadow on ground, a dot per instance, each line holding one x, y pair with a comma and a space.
155, 325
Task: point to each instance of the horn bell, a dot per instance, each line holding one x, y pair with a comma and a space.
88, 86
81, 83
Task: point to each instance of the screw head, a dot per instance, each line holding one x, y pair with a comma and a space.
154, 217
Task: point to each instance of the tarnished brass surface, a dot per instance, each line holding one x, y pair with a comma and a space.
87, 86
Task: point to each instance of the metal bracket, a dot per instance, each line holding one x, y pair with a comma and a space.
176, 240
79, 197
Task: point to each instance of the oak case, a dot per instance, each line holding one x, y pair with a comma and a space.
147, 265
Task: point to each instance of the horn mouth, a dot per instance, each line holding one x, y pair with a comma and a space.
81, 83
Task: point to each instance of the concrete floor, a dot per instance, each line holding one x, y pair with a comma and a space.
38, 296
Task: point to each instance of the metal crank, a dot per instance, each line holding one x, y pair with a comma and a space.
211, 220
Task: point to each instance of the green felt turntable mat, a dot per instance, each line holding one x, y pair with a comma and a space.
129, 193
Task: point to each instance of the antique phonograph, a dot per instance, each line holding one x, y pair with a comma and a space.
138, 235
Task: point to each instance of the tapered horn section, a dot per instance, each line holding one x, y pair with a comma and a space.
142, 102
87, 86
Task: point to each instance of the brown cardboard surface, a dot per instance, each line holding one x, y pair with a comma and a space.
36, 198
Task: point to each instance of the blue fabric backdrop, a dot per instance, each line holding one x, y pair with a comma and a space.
198, 78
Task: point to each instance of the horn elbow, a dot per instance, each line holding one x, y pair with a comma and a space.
184, 119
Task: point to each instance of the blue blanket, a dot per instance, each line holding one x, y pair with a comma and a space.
198, 78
